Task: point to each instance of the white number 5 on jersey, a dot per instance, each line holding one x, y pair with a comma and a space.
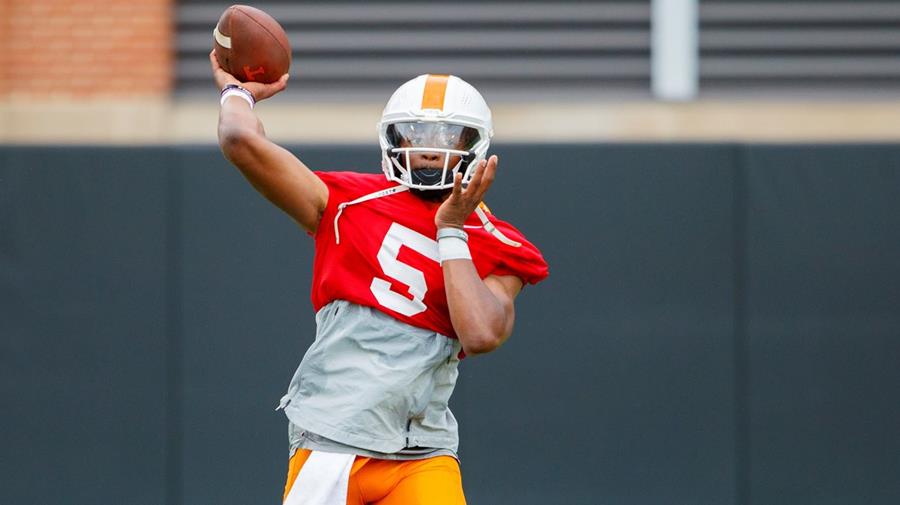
397, 236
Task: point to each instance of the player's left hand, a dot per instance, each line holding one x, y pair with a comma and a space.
462, 202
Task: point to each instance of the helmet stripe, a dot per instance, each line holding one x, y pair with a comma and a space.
435, 89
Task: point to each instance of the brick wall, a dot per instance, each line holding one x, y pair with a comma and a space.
74, 49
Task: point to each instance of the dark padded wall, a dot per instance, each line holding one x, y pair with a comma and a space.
823, 324
720, 326
83, 310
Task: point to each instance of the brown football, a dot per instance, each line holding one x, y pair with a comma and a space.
251, 45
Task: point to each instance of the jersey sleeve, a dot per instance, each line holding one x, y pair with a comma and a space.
338, 184
525, 262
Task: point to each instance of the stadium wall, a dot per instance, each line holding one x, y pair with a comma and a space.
720, 326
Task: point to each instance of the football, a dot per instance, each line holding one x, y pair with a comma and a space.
251, 45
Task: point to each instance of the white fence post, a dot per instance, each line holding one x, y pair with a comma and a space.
674, 49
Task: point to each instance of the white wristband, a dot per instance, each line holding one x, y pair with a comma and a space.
238, 93
453, 248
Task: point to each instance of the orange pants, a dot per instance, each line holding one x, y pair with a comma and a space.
432, 481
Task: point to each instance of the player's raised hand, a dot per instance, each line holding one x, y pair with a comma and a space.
462, 202
260, 90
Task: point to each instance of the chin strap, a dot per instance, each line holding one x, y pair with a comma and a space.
371, 196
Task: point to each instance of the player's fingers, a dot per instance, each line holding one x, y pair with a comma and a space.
487, 177
278, 85
220, 76
216, 67
490, 170
475, 181
457, 185
261, 91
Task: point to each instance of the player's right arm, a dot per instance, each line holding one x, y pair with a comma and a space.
276, 173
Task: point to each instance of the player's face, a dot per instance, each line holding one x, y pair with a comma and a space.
429, 153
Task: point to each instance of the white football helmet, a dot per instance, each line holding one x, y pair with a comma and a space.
432, 127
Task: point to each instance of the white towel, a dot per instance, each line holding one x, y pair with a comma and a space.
323, 480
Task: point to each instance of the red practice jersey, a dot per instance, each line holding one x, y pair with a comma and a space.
382, 252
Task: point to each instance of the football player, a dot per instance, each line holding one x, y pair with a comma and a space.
411, 274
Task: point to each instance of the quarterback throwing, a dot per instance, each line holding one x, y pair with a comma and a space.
411, 274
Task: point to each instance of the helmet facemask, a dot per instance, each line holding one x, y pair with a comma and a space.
427, 155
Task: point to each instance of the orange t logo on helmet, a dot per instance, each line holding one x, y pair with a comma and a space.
435, 90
